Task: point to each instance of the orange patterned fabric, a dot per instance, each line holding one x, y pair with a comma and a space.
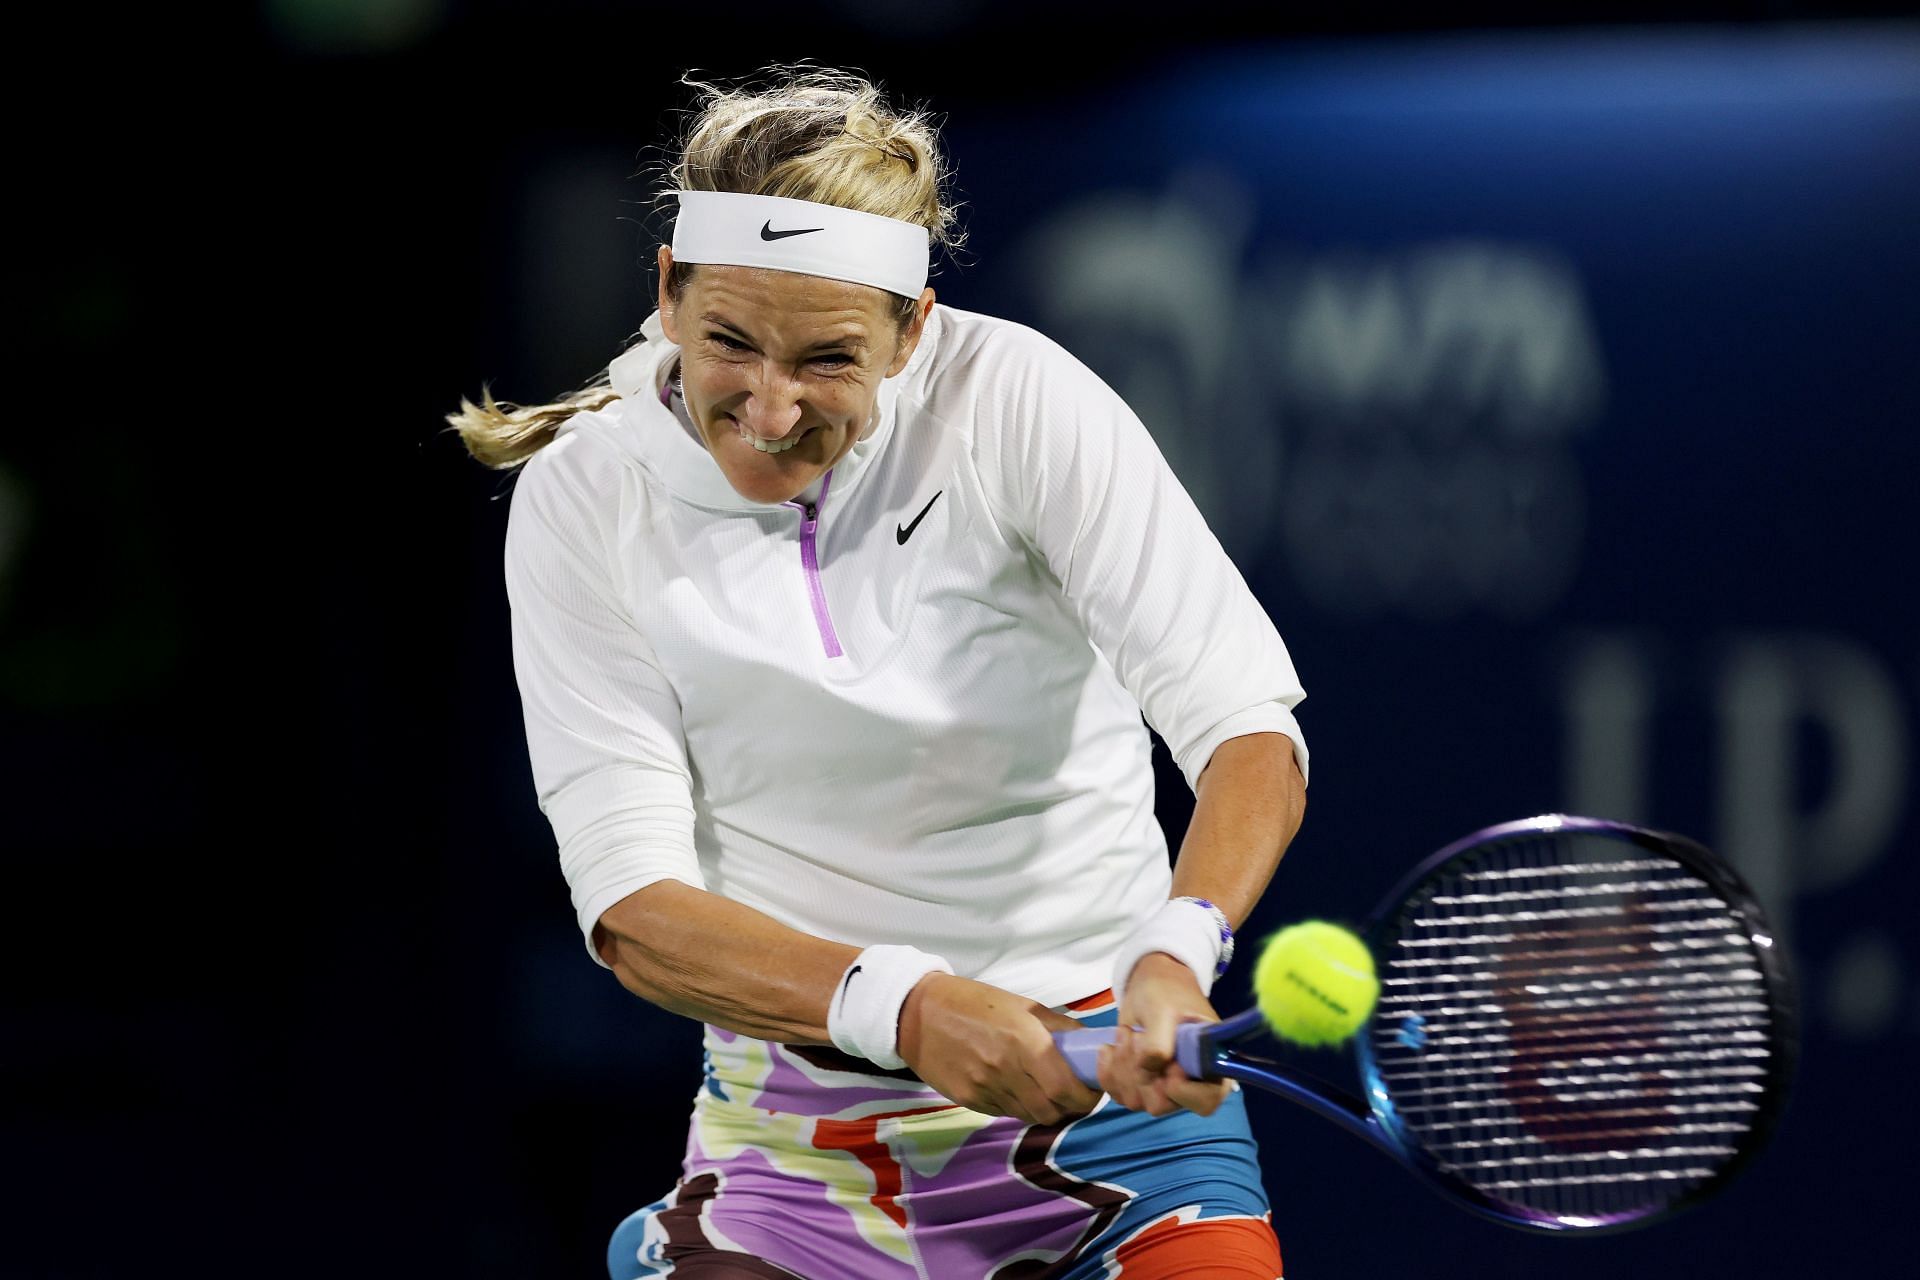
1086, 1004
1210, 1249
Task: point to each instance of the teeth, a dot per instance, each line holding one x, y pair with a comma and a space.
778, 446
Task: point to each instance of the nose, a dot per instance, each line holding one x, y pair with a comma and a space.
772, 407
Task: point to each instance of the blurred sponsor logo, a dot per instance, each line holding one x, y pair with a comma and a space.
1394, 424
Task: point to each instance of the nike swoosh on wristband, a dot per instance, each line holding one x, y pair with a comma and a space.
902, 532
768, 233
849, 979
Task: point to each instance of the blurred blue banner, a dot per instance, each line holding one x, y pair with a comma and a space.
1558, 396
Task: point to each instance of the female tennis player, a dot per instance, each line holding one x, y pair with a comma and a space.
835, 612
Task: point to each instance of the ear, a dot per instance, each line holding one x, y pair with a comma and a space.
915, 330
667, 319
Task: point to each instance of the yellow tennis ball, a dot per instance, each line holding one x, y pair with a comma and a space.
1315, 983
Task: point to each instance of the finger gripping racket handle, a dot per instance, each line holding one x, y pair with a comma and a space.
1082, 1048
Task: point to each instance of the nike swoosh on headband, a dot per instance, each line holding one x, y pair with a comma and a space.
768, 233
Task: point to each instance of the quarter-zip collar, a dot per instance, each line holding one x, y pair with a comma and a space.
810, 565
683, 464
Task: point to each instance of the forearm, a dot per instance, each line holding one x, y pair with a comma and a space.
1248, 806
1249, 803
700, 955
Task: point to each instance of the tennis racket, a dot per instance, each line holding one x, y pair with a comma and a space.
1582, 1026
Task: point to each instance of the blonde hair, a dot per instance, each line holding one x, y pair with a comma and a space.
807, 133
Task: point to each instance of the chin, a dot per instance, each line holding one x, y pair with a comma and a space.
770, 489
768, 478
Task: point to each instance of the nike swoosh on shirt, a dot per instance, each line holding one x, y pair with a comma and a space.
768, 233
902, 532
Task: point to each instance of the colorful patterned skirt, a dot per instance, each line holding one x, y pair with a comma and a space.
806, 1162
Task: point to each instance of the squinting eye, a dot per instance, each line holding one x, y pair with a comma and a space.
833, 362
731, 344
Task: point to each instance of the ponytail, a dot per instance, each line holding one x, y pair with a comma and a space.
502, 435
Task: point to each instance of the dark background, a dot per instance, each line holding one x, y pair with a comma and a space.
1552, 380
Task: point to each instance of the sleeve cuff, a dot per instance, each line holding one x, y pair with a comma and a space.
620, 830
595, 905
1268, 717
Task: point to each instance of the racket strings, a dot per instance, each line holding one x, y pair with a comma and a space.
1574, 1033
1637, 932
1554, 1089
1589, 1050
1657, 946
1685, 970
1665, 1001
1581, 913
1567, 893
1608, 1113
1701, 1014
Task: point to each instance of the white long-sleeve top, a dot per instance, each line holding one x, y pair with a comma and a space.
913, 717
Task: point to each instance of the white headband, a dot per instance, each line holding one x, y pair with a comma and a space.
728, 229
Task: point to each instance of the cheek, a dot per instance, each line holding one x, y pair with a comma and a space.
850, 404
710, 382
840, 406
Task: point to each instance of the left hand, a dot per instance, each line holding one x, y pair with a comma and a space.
1138, 1068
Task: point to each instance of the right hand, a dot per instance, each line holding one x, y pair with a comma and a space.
991, 1050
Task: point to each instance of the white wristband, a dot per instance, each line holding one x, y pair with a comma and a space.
1183, 929
864, 1018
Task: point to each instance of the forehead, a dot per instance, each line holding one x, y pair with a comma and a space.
785, 306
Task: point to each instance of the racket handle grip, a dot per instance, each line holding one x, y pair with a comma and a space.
1082, 1048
